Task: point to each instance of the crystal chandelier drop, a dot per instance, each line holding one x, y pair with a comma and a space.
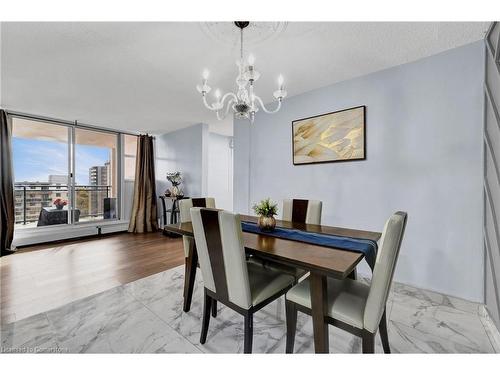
245, 103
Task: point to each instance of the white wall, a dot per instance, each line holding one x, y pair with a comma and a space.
185, 151
220, 171
424, 156
203, 158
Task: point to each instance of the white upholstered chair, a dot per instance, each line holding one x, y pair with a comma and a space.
191, 262
228, 277
352, 305
185, 206
302, 211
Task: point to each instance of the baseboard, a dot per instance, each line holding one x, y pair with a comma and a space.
491, 328
47, 234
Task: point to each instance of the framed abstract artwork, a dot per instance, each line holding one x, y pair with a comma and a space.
330, 137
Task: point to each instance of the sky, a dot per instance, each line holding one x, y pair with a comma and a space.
35, 160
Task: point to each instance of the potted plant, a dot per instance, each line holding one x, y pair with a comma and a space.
60, 203
175, 179
266, 210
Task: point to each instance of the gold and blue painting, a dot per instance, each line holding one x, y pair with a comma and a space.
330, 137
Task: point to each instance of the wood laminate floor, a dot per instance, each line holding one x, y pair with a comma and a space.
43, 277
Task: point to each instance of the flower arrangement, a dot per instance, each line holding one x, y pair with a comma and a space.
175, 178
60, 203
266, 210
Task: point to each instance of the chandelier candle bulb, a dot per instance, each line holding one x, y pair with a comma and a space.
251, 60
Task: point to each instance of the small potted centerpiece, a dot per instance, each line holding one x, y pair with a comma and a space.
266, 210
175, 179
60, 203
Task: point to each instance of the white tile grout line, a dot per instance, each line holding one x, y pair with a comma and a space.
491, 329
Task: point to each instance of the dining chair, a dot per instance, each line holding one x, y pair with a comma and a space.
302, 211
353, 306
191, 260
228, 277
298, 211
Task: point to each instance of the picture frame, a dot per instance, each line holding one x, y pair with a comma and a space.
331, 137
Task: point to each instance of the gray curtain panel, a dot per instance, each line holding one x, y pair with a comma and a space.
144, 214
7, 217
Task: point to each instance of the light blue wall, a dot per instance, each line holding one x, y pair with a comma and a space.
424, 156
183, 150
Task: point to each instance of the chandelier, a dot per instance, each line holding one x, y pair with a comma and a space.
244, 103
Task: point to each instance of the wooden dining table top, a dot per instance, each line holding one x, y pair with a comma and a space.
329, 261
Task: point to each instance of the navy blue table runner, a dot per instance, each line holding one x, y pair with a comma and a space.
359, 245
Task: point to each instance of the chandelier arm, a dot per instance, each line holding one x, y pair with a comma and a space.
209, 106
228, 106
219, 117
229, 94
259, 100
213, 107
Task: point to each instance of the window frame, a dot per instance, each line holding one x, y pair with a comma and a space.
71, 127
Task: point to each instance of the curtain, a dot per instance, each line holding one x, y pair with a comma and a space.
7, 217
144, 214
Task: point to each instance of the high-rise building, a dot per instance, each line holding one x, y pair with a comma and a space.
98, 177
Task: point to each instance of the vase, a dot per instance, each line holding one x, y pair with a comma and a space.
267, 223
175, 191
59, 206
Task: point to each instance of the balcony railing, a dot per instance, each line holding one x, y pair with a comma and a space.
30, 198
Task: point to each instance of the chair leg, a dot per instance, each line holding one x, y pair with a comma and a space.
291, 325
382, 328
214, 308
206, 317
190, 277
368, 344
247, 349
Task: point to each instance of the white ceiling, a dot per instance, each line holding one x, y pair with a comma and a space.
142, 76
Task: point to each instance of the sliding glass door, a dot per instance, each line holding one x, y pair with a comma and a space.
96, 172
64, 174
41, 172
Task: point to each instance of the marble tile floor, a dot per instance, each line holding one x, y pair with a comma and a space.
145, 316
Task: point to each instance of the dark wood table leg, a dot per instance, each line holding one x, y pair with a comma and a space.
172, 212
353, 275
190, 275
319, 304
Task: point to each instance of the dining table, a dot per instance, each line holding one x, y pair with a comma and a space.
320, 261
